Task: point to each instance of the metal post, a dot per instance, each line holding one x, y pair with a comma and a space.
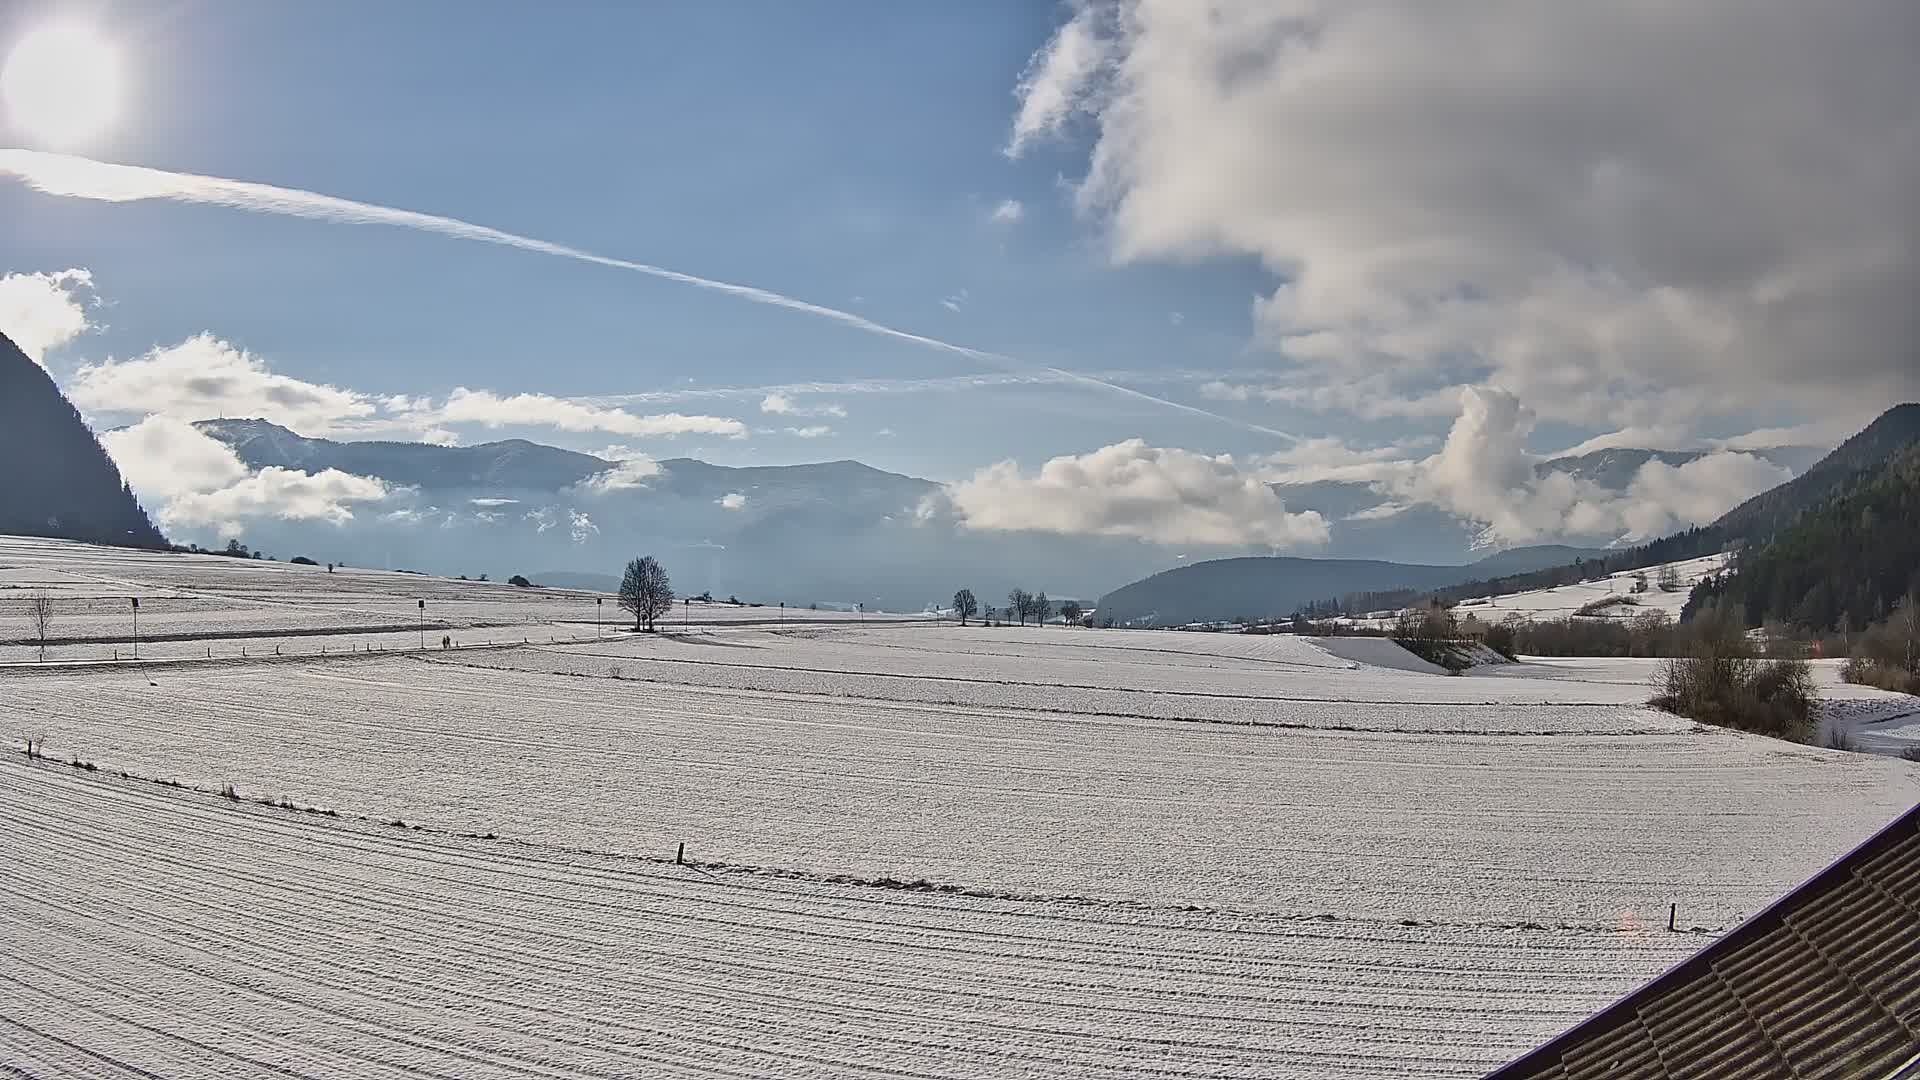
423, 624
686, 612
136, 626
597, 602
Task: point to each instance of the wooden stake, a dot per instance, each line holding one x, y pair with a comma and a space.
1673, 913
680, 856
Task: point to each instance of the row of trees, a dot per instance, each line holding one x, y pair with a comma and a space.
1021, 606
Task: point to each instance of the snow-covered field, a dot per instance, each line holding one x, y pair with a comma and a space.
190, 604
1153, 854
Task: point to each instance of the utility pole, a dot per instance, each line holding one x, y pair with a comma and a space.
136, 626
783, 611
686, 612
423, 624
597, 601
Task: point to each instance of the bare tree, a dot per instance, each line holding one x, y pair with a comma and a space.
1042, 607
645, 591
40, 618
1020, 605
1668, 579
965, 606
1071, 611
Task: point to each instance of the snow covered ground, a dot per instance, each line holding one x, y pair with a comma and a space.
1154, 854
190, 604
1566, 600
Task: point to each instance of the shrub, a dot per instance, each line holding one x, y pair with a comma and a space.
1765, 697
1911, 753
520, 581
1865, 672
302, 560
1840, 740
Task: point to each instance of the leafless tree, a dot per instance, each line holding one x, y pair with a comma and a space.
40, 618
1042, 608
1668, 579
1071, 611
965, 606
646, 592
1020, 605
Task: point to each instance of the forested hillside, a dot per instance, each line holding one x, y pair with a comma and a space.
58, 481
1841, 564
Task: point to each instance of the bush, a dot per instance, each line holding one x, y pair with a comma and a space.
1765, 697
1911, 753
302, 560
1864, 672
520, 581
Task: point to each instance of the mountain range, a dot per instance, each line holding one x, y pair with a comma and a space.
837, 532
1267, 587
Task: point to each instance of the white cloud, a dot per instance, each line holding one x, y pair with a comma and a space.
204, 377
491, 503
543, 518
1130, 489
580, 527
884, 433
1369, 396
274, 492
782, 404
1176, 318
1660, 437
1484, 474
484, 407
196, 481
1332, 458
733, 500
629, 471
1008, 212
1824, 432
163, 457
814, 431
1060, 77
1663, 498
41, 311
1623, 216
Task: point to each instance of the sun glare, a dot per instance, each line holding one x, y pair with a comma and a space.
61, 85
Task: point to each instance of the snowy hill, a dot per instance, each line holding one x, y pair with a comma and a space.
1567, 601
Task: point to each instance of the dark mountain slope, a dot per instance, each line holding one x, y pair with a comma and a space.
1273, 586
1895, 429
58, 481
1841, 564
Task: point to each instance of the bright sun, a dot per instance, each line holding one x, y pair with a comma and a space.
61, 85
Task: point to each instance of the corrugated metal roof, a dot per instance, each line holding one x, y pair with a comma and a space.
1824, 983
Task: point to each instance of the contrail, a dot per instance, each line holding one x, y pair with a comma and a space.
84, 178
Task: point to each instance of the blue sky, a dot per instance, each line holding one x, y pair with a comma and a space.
854, 161
1372, 246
